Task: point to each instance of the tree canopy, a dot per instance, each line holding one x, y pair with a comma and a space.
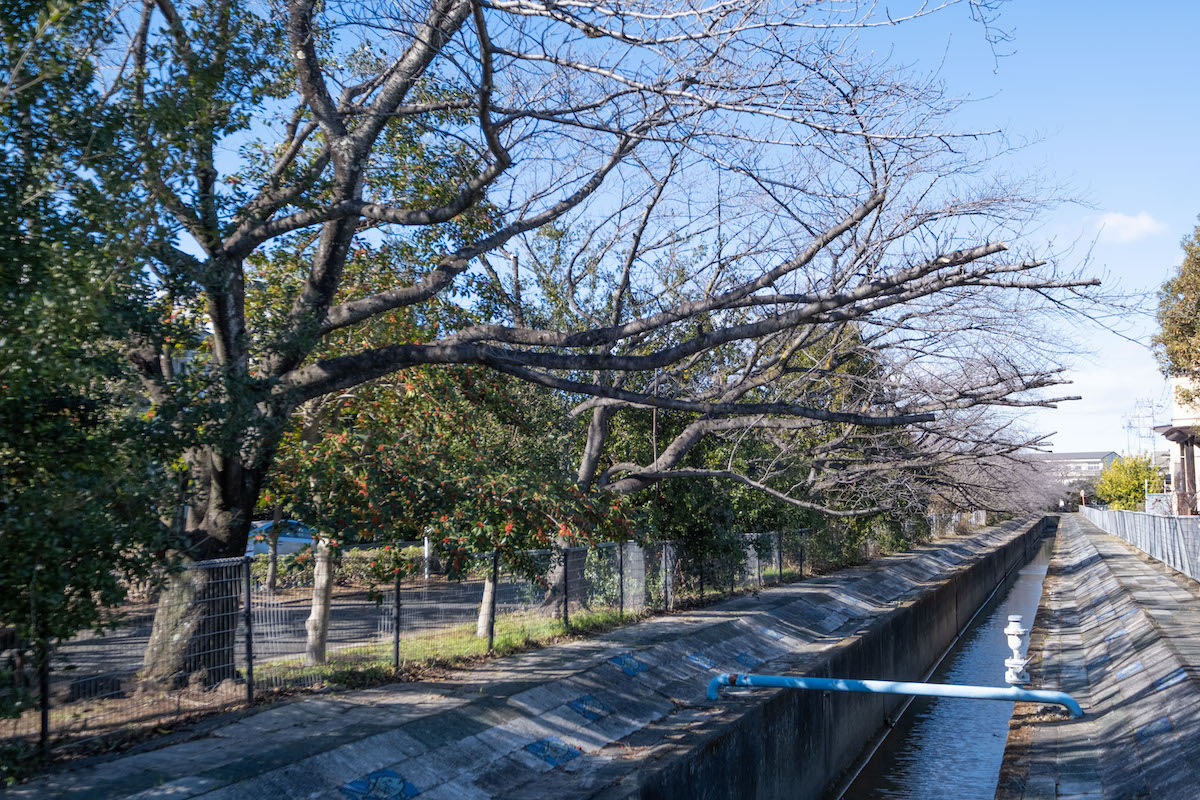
722, 244
80, 463
1177, 343
1123, 484
730, 214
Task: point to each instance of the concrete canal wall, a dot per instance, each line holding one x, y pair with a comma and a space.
1120, 633
792, 744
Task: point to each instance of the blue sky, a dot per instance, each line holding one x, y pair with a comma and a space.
1107, 92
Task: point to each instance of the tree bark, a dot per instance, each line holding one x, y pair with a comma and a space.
194, 636
318, 618
485, 607
195, 628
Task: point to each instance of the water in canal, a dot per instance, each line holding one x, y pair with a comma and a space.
951, 747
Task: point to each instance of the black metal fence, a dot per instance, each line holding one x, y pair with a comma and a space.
215, 636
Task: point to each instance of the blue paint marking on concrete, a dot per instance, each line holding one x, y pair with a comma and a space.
702, 661
1160, 725
749, 661
628, 664
1129, 613
1132, 669
1105, 614
553, 750
771, 634
1178, 676
1099, 661
591, 708
385, 784
1115, 634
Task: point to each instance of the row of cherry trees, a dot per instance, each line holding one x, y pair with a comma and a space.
501, 267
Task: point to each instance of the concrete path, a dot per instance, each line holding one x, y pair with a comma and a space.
574, 720
1121, 633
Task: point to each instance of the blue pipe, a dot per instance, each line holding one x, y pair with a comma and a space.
895, 687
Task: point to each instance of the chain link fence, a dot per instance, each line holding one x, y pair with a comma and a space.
1175, 541
948, 523
217, 636
167, 659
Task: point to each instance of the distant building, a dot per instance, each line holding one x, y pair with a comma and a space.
1184, 434
1071, 467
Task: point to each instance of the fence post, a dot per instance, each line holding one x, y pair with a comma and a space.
43, 649
495, 591
803, 549
566, 614
621, 580
758, 561
779, 553
667, 573
702, 579
396, 620
248, 600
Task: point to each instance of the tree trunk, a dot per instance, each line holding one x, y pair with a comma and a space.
273, 548
574, 560
272, 561
194, 636
585, 477
195, 627
198, 611
485, 608
318, 619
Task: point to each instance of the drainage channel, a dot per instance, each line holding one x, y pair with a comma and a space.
941, 744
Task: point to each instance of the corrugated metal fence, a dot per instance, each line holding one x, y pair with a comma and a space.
1175, 541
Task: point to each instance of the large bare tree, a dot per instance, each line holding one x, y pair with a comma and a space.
824, 187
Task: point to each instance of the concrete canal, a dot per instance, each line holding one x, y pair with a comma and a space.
944, 747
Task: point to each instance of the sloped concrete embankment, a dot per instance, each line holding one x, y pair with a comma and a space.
793, 744
1120, 633
621, 715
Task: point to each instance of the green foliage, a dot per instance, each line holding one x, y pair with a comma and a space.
78, 459
472, 459
19, 761
1123, 484
837, 543
439, 452
1079, 490
352, 566
1177, 345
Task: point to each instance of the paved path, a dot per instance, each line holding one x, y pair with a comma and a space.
1121, 633
574, 720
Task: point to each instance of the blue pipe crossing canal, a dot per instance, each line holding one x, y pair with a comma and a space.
1009, 693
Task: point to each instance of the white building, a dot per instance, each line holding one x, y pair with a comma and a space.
1071, 467
1183, 433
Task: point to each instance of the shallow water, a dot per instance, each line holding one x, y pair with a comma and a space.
951, 747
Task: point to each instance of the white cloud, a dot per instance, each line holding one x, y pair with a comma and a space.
1123, 228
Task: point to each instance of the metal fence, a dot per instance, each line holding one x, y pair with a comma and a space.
1175, 541
215, 636
945, 523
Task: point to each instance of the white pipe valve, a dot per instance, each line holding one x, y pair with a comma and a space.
1017, 641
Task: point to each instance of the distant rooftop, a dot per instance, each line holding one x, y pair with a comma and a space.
1088, 455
